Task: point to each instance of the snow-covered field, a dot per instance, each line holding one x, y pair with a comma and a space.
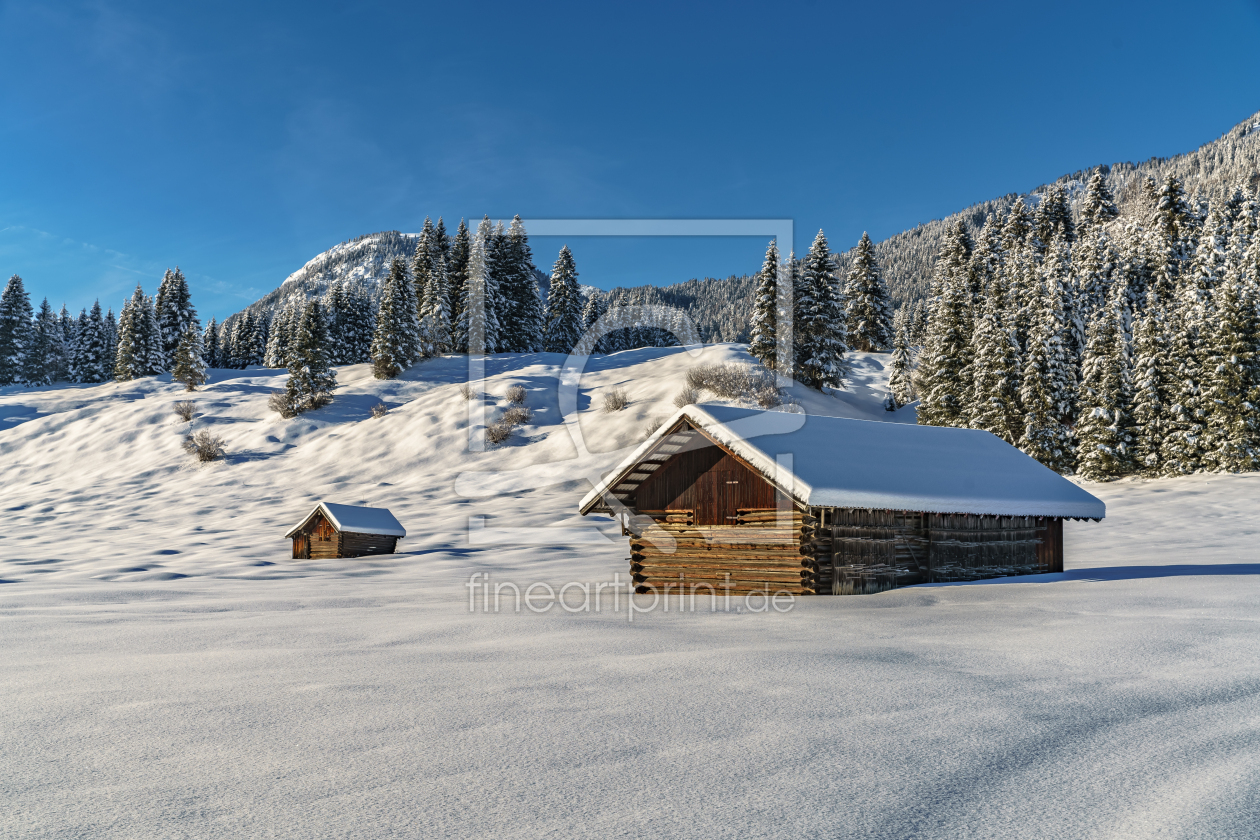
169, 672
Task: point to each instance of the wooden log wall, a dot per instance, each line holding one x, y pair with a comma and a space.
971, 547
360, 545
763, 551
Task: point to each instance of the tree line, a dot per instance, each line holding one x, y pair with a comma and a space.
1112, 346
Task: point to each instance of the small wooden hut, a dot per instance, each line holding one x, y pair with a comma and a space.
332, 530
726, 499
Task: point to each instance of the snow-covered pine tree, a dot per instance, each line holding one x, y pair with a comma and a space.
943, 380
1093, 261
901, 367
151, 332
1056, 272
987, 258
394, 344
1207, 267
1054, 216
1098, 206
436, 315
421, 260
39, 363
93, 358
130, 360
360, 326
282, 329
311, 378
15, 330
564, 306
1152, 383
334, 305
479, 318
1104, 433
820, 333
594, 308
210, 344
764, 344
1231, 395
260, 330
111, 335
917, 328
76, 348
65, 344
1048, 382
175, 313
457, 281
1173, 233
189, 367
868, 311
521, 316
993, 403
1181, 451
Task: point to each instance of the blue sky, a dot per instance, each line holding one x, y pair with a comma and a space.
238, 140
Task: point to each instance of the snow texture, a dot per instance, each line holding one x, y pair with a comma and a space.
829, 461
356, 519
169, 671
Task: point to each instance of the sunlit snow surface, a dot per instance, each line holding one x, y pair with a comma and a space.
169, 672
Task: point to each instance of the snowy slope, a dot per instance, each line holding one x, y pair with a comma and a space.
169, 672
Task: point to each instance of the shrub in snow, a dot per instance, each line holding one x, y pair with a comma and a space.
651, 426
733, 381
516, 416
516, 394
467, 391
204, 445
687, 396
498, 432
380, 410
279, 403
185, 410
615, 400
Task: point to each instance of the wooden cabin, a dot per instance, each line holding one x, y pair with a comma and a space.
727, 499
332, 530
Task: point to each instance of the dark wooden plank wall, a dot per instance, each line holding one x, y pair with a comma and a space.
359, 545
708, 481
1050, 551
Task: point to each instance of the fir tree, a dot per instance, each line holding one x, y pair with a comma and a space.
394, 346
1099, 206
311, 378
764, 345
901, 372
420, 265
564, 306
995, 369
189, 367
479, 319
1053, 216
1173, 234
1232, 384
435, 315
282, 329
175, 313
1104, 439
868, 310
1181, 451
129, 360
93, 359
944, 383
111, 335
1047, 383
63, 345
1057, 281
15, 330
457, 282
210, 345
39, 362
1093, 262
521, 313
594, 308
820, 329
1151, 384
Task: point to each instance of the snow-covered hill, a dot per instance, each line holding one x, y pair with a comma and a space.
170, 672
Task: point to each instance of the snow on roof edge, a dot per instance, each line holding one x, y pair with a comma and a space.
356, 527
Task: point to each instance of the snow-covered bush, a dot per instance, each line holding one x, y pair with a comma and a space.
204, 445
615, 400
734, 381
502, 429
185, 410
516, 394
652, 426
687, 396
279, 403
517, 415
380, 410
467, 391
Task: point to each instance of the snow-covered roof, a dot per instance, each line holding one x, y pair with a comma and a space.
834, 462
355, 519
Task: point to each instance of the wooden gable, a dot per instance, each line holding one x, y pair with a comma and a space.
708, 480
